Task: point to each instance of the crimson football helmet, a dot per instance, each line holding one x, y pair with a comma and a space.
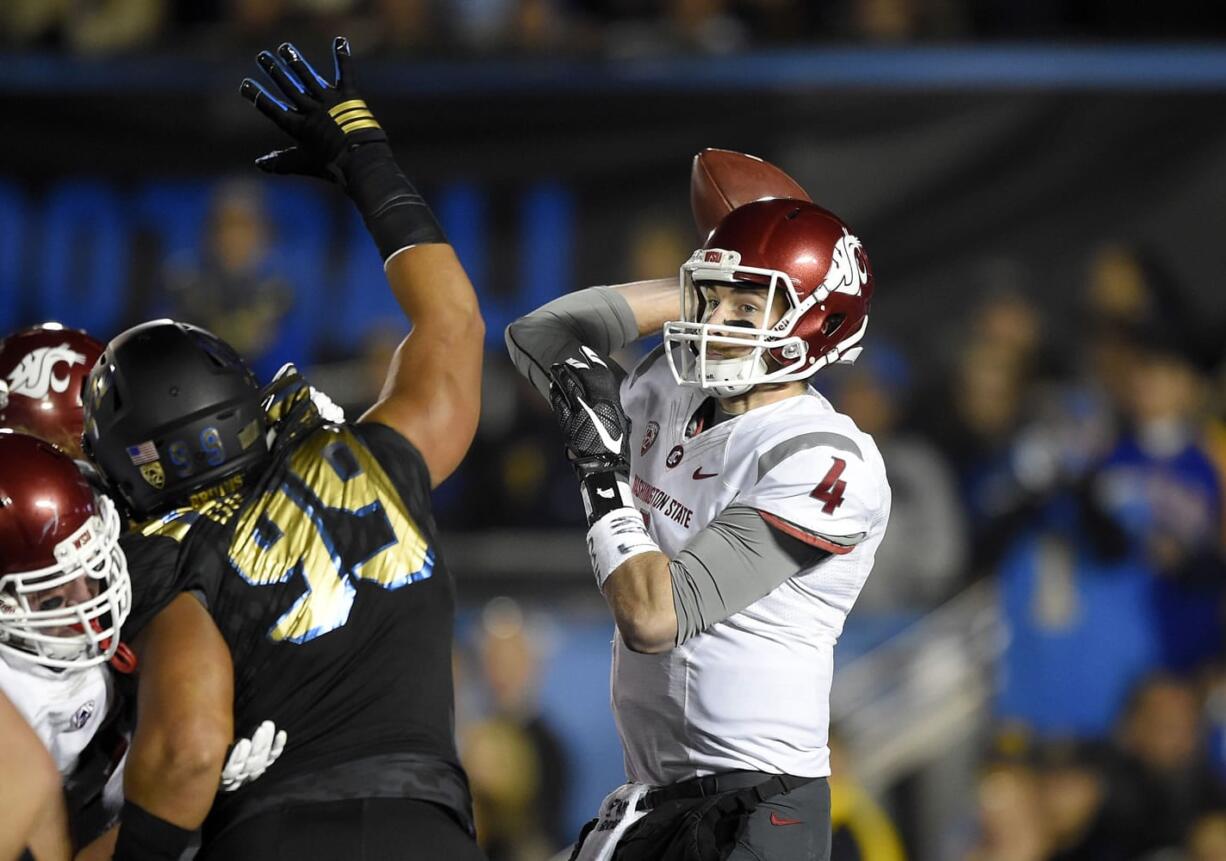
788, 247
64, 586
42, 371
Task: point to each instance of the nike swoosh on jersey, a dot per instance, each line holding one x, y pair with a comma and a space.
613, 445
776, 819
699, 475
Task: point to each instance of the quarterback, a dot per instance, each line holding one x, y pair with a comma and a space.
733, 516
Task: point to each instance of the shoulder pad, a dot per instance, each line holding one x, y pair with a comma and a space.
641, 387
824, 486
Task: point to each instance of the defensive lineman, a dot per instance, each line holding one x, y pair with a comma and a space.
733, 519
310, 540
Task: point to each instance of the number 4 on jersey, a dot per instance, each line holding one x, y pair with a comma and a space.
830, 489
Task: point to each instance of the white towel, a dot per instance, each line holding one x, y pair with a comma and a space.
618, 812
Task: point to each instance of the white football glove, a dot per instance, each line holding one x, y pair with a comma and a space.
249, 758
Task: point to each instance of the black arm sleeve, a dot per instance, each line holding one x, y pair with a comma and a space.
737, 559
145, 837
598, 317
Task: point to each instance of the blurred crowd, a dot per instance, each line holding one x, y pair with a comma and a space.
517, 763
1089, 472
611, 28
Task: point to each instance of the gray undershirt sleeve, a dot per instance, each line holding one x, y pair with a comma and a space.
599, 317
737, 559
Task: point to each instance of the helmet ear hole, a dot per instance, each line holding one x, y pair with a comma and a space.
832, 323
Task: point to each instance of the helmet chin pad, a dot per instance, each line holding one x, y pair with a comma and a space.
724, 377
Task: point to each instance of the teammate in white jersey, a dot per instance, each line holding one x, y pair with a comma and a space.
733, 519
64, 595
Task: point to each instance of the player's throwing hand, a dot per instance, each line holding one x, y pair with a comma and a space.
585, 395
586, 403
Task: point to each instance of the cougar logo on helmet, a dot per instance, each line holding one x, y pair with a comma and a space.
847, 270
35, 377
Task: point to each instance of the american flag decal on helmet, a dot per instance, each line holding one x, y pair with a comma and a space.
141, 454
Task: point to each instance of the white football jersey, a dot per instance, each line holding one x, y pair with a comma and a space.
64, 708
751, 692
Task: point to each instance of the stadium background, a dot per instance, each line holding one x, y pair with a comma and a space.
1035, 670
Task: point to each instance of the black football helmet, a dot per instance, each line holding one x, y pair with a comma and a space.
172, 417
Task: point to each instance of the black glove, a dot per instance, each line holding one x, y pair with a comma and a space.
339, 139
326, 120
585, 395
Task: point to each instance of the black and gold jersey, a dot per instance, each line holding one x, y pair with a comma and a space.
324, 577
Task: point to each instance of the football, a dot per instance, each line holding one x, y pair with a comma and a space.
721, 180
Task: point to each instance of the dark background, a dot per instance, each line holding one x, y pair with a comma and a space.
991, 156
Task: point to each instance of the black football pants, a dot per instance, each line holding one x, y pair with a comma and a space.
361, 829
794, 826
791, 826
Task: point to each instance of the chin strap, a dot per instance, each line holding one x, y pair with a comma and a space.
124, 660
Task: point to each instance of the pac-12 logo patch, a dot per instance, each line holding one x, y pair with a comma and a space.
674, 456
649, 437
82, 715
153, 474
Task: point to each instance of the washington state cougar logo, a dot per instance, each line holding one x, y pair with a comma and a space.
35, 377
848, 271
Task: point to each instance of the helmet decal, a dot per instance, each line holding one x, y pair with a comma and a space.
848, 272
42, 371
35, 377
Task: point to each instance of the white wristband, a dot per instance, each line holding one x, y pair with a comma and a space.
616, 537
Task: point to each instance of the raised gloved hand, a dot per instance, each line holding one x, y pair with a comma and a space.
325, 118
338, 138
